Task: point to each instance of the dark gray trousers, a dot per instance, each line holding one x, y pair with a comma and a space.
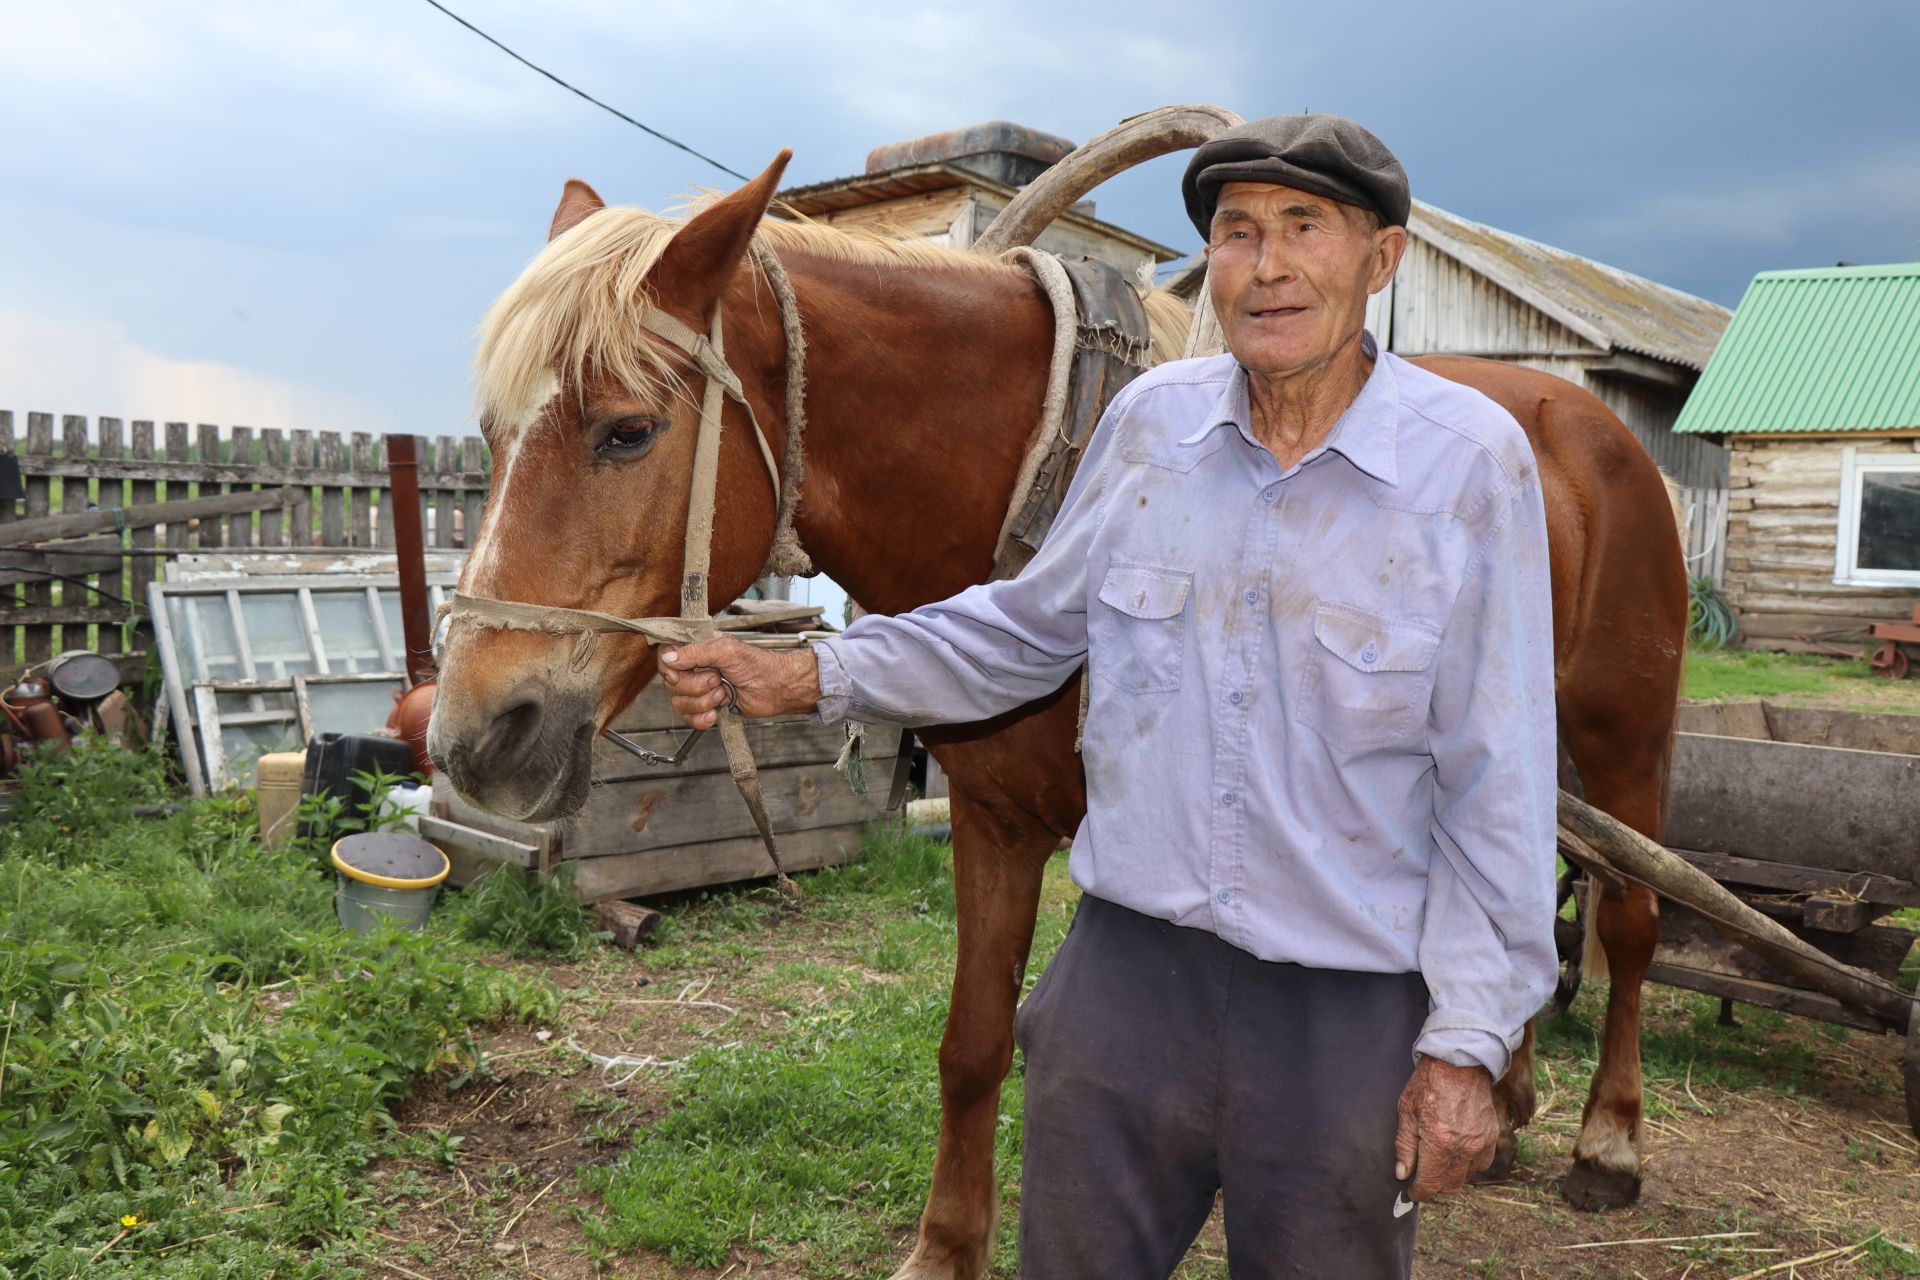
1164, 1065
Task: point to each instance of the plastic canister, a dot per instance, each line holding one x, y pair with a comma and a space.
386, 874
277, 782
409, 801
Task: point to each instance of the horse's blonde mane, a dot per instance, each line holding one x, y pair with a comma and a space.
582, 297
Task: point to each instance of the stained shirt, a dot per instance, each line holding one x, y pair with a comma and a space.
1321, 719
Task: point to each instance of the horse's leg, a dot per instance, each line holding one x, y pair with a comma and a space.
1513, 1102
998, 863
1514, 1096
1606, 1157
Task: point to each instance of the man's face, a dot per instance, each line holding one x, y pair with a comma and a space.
1290, 273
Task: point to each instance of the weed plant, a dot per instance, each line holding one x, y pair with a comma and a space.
823, 1139
196, 1061
524, 914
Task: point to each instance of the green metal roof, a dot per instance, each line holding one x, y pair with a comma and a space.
1834, 349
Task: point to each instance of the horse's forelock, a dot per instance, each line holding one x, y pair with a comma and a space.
579, 302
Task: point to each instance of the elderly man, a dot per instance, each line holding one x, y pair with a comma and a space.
1309, 582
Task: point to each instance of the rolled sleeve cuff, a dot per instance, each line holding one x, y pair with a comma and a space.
1460, 1038
836, 690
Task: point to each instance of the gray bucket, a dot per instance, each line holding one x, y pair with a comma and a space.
386, 875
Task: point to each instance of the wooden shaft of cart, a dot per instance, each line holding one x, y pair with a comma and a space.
1613, 852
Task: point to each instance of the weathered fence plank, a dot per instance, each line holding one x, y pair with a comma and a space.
473, 498
73, 501
240, 523
273, 453
209, 530
36, 640
141, 573
303, 508
361, 498
333, 497
177, 451
445, 464
80, 523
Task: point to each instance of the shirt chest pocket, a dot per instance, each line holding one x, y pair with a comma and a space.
1367, 679
1139, 636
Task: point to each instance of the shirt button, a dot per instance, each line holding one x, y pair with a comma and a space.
1253, 597
1224, 897
1227, 797
1234, 697
1369, 655
1269, 495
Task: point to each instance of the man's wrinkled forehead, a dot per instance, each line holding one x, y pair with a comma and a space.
1257, 201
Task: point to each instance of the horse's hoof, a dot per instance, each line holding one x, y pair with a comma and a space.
1590, 1187
1502, 1167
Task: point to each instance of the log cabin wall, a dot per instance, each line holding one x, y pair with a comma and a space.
1782, 532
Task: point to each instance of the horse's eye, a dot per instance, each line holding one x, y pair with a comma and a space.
629, 435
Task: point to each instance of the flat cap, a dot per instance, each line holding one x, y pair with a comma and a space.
1327, 155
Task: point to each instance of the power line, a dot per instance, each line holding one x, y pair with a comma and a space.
672, 142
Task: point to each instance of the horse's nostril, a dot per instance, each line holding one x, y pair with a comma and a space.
508, 740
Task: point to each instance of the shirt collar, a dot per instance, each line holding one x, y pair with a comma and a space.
1367, 434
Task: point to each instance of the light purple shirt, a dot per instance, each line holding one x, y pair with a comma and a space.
1322, 718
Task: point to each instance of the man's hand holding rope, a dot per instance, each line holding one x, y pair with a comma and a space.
765, 683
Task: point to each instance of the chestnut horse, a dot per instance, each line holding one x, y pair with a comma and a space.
926, 370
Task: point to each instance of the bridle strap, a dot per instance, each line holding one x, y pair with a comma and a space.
704, 350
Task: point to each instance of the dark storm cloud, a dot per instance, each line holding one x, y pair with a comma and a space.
359, 178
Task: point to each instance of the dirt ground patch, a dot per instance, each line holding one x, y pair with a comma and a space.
1783, 1145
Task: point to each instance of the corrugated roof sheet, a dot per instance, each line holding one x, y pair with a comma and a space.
1610, 308
1836, 349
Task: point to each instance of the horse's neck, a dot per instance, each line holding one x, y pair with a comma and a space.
924, 388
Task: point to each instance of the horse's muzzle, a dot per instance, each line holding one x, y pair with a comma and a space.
529, 757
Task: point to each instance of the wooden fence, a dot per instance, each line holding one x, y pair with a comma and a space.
1703, 531
340, 500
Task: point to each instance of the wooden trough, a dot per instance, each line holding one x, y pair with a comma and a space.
1793, 832
650, 829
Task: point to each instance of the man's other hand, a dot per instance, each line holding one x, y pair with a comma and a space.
1448, 1129
768, 684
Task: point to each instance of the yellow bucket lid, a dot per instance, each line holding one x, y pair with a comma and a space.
390, 860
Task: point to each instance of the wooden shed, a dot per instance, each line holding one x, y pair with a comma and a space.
1815, 393
947, 187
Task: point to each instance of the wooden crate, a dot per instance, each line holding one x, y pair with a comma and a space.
647, 829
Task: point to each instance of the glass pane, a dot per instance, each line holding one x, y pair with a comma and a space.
203, 636
351, 708
273, 701
277, 635
244, 744
396, 629
346, 631
1890, 520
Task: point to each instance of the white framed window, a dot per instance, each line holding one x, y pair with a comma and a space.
1878, 537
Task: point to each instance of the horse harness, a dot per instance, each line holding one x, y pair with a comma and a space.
1102, 343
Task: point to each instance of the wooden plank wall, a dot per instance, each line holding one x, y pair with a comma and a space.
1783, 514
107, 463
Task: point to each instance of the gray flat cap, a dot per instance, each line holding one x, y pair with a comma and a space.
1327, 155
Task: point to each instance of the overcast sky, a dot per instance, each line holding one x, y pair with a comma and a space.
292, 214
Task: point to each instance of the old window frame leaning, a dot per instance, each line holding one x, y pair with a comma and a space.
200, 674
1847, 570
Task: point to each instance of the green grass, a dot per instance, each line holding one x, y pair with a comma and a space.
1732, 674
197, 1062
818, 1147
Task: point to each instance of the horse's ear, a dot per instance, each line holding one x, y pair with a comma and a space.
577, 200
700, 258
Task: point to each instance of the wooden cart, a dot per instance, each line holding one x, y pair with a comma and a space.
1807, 822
